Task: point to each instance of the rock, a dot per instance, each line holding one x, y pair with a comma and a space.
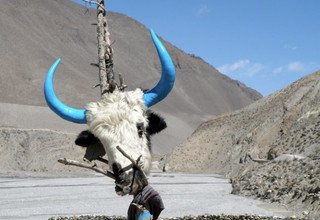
289, 157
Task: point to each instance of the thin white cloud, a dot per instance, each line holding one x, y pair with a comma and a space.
228, 68
279, 69
296, 66
290, 47
254, 69
242, 68
203, 10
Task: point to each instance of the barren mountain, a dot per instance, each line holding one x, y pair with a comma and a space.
270, 149
34, 33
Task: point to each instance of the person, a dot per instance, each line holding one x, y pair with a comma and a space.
147, 203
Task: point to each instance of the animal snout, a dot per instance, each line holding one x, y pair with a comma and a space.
123, 184
122, 178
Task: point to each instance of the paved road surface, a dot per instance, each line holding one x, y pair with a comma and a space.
183, 194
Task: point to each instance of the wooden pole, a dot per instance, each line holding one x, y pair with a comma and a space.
105, 51
101, 47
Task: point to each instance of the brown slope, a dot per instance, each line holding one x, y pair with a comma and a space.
286, 122
35, 33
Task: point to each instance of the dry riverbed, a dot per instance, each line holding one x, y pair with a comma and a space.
183, 195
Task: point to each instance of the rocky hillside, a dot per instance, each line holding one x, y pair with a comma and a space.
270, 149
32, 151
34, 33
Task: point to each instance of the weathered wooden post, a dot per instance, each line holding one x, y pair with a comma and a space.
105, 52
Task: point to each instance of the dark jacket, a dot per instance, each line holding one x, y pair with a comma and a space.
150, 199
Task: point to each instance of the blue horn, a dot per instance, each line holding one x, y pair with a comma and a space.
168, 75
64, 111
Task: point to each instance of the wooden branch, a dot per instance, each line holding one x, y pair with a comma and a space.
94, 2
106, 27
103, 160
122, 86
108, 56
93, 167
126, 155
94, 64
101, 47
135, 164
95, 86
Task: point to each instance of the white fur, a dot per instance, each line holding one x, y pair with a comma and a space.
113, 121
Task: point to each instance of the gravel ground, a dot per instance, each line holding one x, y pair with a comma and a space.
41, 198
295, 183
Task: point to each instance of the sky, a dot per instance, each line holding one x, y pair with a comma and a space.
266, 44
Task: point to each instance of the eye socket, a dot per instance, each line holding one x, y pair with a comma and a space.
140, 128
